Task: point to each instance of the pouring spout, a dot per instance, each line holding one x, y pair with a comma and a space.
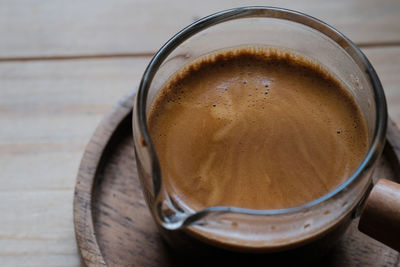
172, 217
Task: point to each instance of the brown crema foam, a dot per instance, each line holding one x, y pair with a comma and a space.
255, 128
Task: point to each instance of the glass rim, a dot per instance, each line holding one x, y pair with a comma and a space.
351, 49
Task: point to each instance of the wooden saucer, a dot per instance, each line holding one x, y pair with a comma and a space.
114, 227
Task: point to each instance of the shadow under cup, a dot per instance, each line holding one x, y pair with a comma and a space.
260, 230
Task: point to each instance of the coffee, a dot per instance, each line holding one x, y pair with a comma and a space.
256, 128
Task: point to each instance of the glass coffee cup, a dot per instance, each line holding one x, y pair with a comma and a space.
247, 230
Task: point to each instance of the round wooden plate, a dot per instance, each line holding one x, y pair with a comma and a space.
114, 227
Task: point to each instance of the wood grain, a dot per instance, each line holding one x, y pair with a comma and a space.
386, 63
109, 202
49, 110
380, 217
33, 29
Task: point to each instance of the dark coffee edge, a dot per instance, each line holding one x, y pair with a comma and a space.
271, 56
340, 224
266, 54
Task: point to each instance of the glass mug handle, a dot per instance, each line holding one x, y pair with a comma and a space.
380, 216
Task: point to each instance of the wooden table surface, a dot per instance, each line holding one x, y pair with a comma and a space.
63, 65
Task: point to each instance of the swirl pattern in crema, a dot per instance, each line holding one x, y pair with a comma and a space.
257, 128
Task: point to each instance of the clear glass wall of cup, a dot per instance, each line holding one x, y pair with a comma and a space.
260, 230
